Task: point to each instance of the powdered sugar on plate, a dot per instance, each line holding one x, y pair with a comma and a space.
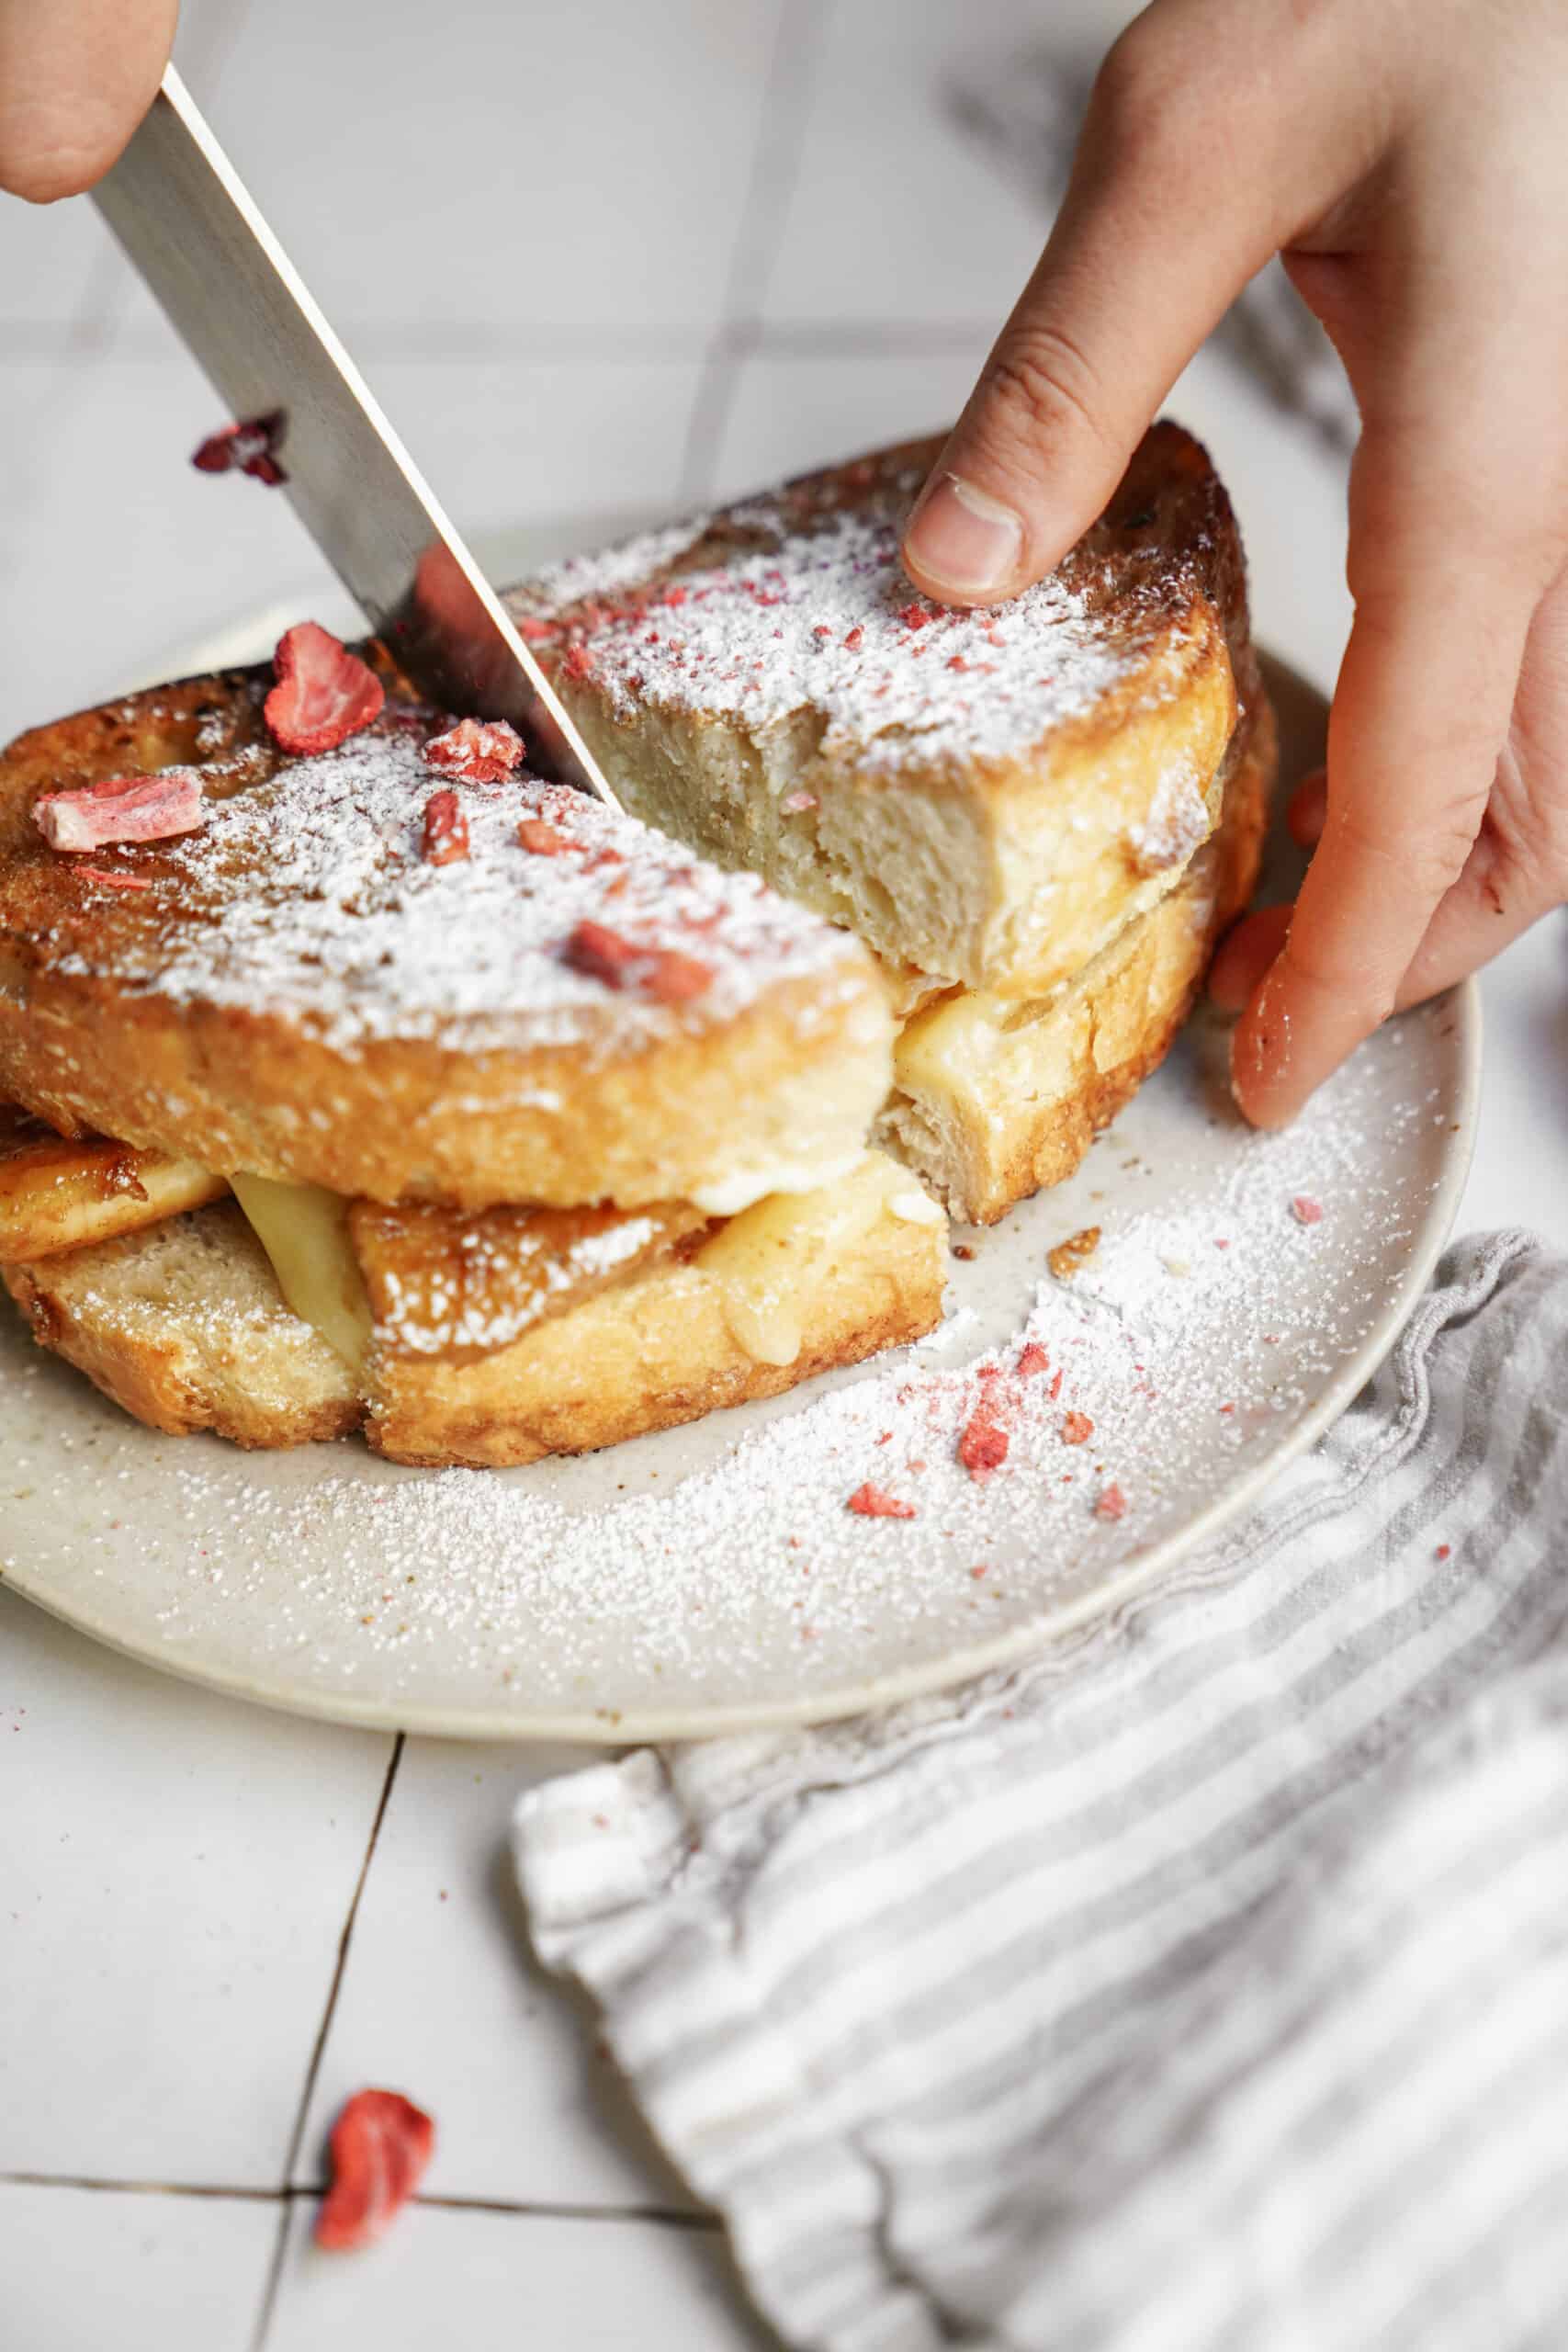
307, 895
716, 1573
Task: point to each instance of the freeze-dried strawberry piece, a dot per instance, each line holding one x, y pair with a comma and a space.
1077, 1429
579, 663
250, 447
873, 1502
115, 881
323, 694
663, 973
1112, 1504
479, 750
1306, 1210
1032, 1359
538, 834
380, 2145
123, 808
983, 1446
446, 839
913, 616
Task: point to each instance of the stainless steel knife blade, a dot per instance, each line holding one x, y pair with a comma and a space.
181, 212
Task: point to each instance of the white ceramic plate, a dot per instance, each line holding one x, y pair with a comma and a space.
711, 1578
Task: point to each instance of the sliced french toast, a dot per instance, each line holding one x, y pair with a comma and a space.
994, 1100
989, 797
641, 1322
574, 1011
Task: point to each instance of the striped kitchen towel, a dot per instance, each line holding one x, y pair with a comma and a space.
1204, 1984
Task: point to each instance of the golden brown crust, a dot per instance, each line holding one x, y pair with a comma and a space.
991, 1138
634, 1102
999, 831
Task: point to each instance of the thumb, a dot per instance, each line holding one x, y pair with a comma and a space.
1145, 257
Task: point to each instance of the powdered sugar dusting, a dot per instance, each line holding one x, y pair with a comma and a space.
824, 619
308, 894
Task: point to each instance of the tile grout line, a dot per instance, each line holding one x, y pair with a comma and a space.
291, 2157
775, 167
663, 2216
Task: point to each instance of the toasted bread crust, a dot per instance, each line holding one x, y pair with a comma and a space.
185, 1326
990, 1142
100, 1027
998, 832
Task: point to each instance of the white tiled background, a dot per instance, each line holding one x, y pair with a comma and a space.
593, 255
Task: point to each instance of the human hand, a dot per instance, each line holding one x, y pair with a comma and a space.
76, 76
1409, 158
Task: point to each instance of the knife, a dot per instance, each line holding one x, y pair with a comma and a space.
180, 209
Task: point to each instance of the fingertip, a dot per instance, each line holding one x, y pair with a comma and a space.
961, 544
1244, 954
1263, 1083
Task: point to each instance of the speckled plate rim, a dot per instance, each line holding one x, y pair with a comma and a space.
964, 1663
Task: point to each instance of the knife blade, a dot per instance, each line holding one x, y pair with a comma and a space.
185, 217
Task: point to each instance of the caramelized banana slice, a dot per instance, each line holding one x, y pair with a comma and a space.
457, 1286
59, 1193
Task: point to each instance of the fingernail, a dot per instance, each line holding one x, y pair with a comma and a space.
963, 538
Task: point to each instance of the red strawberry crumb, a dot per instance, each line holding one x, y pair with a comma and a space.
1033, 1359
248, 449
884, 1437
1227, 1408
674, 596
983, 1446
1306, 1210
956, 661
380, 2145
872, 1503
821, 629
1057, 1384
536, 834
977, 1573
323, 694
477, 751
1443, 1550
122, 808
913, 616
1112, 1502
1221, 1245
578, 663
534, 631
663, 973
1076, 1430
445, 838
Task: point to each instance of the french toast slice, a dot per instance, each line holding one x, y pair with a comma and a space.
988, 797
186, 1326
993, 1101
575, 1010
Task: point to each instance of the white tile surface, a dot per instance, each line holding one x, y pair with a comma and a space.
177, 1872
83, 2269
491, 2282
518, 169
442, 2000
